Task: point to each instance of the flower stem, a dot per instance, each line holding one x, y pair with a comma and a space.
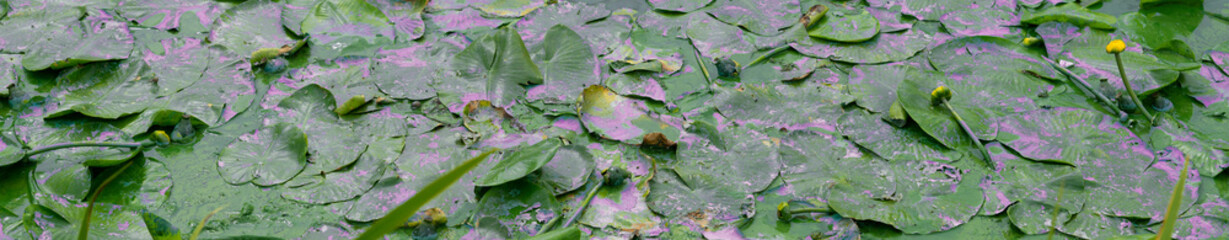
59, 146
774, 52
1108, 103
588, 198
985, 155
1127, 84
89, 209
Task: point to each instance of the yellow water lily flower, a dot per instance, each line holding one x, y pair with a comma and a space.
1115, 46
1029, 41
161, 138
941, 93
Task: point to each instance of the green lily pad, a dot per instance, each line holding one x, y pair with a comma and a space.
1048, 136
758, 17
874, 86
567, 67
425, 157
679, 6
622, 207
982, 22
250, 26
406, 18
1207, 160
1090, 225
170, 14
929, 197
892, 143
409, 72
814, 162
1156, 26
748, 163
623, 119
226, 88
714, 39
794, 106
507, 8
108, 89
886, 47
1125, 191
107, 221
930, 9
675, 199
11, 148
56, 37
345, 78
575, 15
521, 163
506, 204
492, 68
337, 186
147, 182
766, 224
330, 20
914, 96
990, 58
568, 170
847, 28
333, 142
1071, 13
269, 156
180, 64
636, 84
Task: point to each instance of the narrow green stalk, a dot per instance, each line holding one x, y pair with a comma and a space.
59, 146
1175, 204
1086, 86
807, 210
700, 61
399, 215
985, 155
1127, 84
764, 57
89, 209
1057, 207
588, 198
201, 226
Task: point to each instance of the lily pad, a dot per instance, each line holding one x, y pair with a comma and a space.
1155, 26
521, 163
748, 163
886, 47
568, 170
1207, 160
507, 204
623, 119
332, 141
679, 6
567, 67
929, 197
1147, 73
982, 22
170, 14
930, 9
147, 182
62, 131
59, 37
1047, 135
756, 16
333, 19
108, 90
847, 28
892, 143
715, 39
224, 89
409, 72
11, 149
269, 156
1124, 193
675, 199
874, 86
179, 64
1071, 13
250, 26
794, 107
338, 186
494, 68
406, 17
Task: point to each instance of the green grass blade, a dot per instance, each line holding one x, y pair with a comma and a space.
399, 215
89, 209
1175, 202
197, 232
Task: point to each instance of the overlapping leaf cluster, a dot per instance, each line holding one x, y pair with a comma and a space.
734, 118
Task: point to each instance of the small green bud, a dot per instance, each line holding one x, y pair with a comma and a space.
161, 138
941, 93
783, 213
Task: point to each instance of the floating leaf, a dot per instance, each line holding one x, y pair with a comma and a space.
520, 163
332, 141
930, 9
679, 6
799, 106
716, 40
59, 37
250, 26
409, 72
108, 89
620, 118
337, 186
269, 156
929, 197
890, 142
493, 68
567, 67
1047, 135
748, 164
847, 28
886, 47
758, 17
1071, 13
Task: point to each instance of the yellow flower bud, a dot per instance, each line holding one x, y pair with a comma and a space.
161, 138
1115, 46
1029, 41
941, 93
